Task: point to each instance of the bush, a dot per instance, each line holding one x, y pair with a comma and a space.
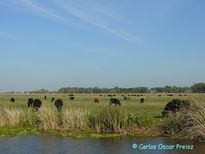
188, 124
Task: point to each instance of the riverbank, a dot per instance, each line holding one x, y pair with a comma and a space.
178, 126
29, 130
81, 118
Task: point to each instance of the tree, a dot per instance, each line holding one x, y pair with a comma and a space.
72, 91
113, 91
157, 89
198, 88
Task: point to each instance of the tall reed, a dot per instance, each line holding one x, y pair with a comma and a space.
188, 124
14, 116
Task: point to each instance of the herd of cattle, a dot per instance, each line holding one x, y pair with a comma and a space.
171, 107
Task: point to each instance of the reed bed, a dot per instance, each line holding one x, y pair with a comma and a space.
82, 115
110, 119
188, 124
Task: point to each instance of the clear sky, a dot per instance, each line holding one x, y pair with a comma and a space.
126, 43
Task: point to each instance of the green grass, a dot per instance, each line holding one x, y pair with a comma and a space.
82, 115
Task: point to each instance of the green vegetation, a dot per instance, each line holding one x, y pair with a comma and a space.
188, 124
82, 118
18, 130
103, 90
167, 89
170, 89
196, 88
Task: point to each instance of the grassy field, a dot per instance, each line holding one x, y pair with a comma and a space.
82, 115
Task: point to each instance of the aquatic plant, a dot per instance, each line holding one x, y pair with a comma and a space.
188, 124
13, 116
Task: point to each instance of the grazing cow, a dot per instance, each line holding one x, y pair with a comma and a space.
30, 102
12, 100
100, 95
37, 104
180, 94
59, 104
52, 99
72, 97
125, 98
160, 95
45, 97
109, 95
170, 95
141, 95
115, 101
174, 106
96, 100
142, 100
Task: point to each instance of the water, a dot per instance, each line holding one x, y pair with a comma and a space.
39, 144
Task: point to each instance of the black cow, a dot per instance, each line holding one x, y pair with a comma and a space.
45, 97
125, 98
142, 100
174, 106
59, 104
37, 104
115, 101
170, 95
72, 97
52, 99
160, 95
12, 100
30, 102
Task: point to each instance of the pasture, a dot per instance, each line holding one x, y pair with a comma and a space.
83, 115
153, 105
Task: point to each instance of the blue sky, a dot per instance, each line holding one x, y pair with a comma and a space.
126, 43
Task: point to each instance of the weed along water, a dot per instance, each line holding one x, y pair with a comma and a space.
115, 145
83, 126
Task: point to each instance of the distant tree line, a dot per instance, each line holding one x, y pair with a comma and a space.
38, 91
103, 90
196, 88
170, 89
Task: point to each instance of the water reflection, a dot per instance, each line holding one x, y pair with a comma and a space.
34, 144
